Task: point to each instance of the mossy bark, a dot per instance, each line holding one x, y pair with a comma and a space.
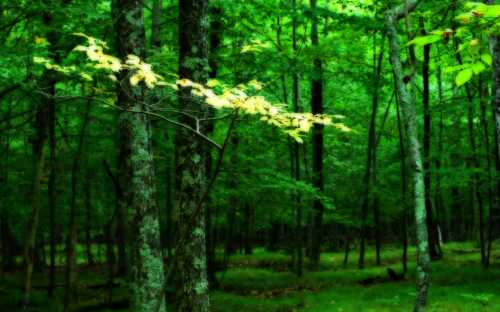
190, 152
146, 272
409, 119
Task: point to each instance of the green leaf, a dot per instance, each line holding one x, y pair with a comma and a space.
463, 76
487, 59
478, 68
425, 40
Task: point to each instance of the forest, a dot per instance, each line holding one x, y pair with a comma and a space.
249, 155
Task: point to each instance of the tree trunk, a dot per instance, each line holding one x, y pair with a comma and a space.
317, 146
495, 52
296, 148
404, 189
434, 249
38, 142
369, 178
156, 21
191, 254
216, 28
409, 117
147, 272
88, 218
70, 293
486, 138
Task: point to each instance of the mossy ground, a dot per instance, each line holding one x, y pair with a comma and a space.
261, 282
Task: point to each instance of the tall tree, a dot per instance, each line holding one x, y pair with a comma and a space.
407, 102
434, 249
317, 143
147, 272
369, 177
215, 40
190, 171
71, 242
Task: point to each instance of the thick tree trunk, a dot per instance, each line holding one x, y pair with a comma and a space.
191, 254
147, 272
317, 146
409, 117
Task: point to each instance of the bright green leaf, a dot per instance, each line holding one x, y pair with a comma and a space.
463, 77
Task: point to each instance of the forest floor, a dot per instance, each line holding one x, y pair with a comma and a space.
262, 282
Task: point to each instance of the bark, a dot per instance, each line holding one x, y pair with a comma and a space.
438, 196
434, 248
190, 171
409, 117
317, 146
147, 272
404, 189
124, 46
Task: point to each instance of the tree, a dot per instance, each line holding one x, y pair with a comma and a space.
147, 273
317, 144
190, 170
408, 111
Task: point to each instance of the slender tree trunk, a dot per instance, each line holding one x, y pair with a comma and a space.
147, 272
317, 146
193, 64
216, 28
38, 142
88, 218
495, 52
52, 196
434, 249
70, 293
247, 229
369, 178
230, 238
404, 189
409, 117
296, 148
156, 22
6, 237
438, 196
484, 123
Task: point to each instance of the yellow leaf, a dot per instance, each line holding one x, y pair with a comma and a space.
135, 79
